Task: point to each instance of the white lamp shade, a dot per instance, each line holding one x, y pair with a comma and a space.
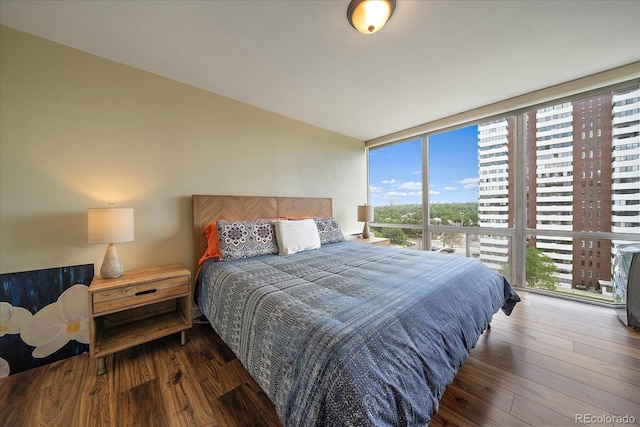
110, 225
365, 213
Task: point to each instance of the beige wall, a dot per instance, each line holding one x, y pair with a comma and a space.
79, 131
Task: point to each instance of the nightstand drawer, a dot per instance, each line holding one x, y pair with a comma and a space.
139, 294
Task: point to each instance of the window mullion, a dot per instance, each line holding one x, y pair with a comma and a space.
426, 234
519, 242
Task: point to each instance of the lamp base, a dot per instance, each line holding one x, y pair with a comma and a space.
111, 264
365, 231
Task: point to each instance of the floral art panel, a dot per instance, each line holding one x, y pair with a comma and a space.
43, 316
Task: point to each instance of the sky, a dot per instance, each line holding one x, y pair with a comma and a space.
395, 172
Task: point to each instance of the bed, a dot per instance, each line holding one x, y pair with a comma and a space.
344, 334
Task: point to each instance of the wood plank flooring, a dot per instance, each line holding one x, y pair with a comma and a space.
552, 361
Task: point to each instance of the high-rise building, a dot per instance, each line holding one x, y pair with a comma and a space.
550, 177
625, 197
583, 174
495, 202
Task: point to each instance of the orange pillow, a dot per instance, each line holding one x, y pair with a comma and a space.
213, 247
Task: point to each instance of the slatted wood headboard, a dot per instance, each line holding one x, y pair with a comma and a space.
209, 208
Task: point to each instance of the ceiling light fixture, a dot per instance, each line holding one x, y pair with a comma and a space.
368, 16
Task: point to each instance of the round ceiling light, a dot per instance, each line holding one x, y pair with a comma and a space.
368, 16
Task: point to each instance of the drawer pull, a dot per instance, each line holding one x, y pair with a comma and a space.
148, 291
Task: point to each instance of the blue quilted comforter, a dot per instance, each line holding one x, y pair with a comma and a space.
352, 334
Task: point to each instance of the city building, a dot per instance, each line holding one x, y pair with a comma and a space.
583, 174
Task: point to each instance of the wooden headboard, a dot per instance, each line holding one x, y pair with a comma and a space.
209, 208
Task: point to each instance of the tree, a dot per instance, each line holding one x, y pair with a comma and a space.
540, 270
441, 213
396, 235
452, 239
505, 270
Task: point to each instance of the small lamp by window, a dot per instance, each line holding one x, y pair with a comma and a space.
368, 16
110, 225
365, 214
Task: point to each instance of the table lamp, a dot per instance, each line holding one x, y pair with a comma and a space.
110, 225
365, 214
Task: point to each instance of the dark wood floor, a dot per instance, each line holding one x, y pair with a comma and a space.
550, 362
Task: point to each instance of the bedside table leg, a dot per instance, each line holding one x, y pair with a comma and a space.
101, 366
183, 337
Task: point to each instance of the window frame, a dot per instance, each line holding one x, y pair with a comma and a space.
519, 232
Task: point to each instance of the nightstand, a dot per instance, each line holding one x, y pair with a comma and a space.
382, 241
139, 306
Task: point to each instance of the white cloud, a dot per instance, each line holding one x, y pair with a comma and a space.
389, 181
433, 192
469, 183
395, 194
374, 189
411, 185
450, 188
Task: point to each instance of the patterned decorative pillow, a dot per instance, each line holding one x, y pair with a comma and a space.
245, 239
329, 230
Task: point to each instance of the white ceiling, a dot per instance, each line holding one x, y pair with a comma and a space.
303, 60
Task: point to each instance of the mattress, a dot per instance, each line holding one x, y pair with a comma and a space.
352, 334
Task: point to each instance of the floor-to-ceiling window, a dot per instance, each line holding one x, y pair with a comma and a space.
544, 195
583, 187
395, 191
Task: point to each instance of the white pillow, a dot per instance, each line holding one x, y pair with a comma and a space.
297, 236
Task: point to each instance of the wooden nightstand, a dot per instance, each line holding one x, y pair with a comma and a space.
137, 307
382, 241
